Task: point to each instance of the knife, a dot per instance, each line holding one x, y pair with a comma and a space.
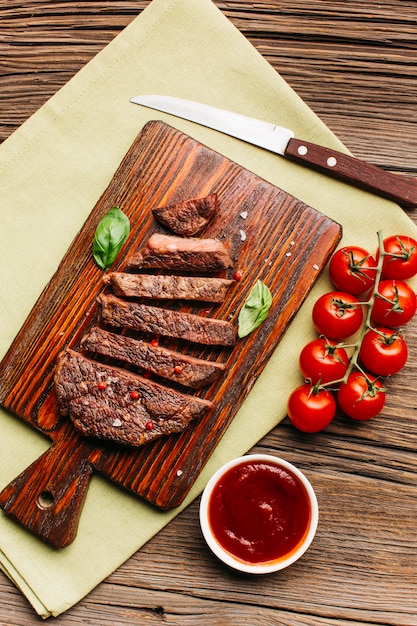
282, 141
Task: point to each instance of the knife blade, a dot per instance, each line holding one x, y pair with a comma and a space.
282, 141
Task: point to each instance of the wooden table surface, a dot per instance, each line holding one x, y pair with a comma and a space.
355, 64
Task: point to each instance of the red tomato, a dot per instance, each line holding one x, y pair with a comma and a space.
337, 315
395, 303
400, 258
310, 410
361, 398
322, 361
352, 269
383, 351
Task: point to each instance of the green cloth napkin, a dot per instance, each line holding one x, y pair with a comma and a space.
52, 172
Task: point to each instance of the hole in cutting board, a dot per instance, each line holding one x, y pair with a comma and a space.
45, 500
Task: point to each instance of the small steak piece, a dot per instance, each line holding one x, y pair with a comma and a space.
181, 368
165, 287
152, 319
114, 404
189, 217
181, 253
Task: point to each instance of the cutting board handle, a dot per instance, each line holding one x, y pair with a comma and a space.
48, 496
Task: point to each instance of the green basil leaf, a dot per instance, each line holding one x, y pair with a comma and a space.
111, 233
255, 309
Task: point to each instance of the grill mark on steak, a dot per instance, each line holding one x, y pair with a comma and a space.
189, 217
151, 319
181, 368
179, 253
98, 399
168, 287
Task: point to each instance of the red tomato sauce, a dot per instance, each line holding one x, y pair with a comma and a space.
259, 512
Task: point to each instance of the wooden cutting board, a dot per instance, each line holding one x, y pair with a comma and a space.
272, 236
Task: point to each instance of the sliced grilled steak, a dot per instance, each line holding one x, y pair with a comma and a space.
114, 404
151, 319
181, 253
189, 217
181, 368
165, 287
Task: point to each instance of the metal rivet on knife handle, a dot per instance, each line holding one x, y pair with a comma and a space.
302, 151
395, 187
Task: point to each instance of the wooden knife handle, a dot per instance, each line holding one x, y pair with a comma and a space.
395, 187
47, 497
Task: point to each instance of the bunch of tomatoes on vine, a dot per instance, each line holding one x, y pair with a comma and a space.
360, 340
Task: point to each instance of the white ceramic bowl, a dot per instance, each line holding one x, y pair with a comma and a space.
245, 504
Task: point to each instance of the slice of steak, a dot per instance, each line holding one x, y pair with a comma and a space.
181, 368
164, 287
189, 217
117, 405
151, 319
181, 253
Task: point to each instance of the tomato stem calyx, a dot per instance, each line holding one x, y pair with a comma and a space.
357, 267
